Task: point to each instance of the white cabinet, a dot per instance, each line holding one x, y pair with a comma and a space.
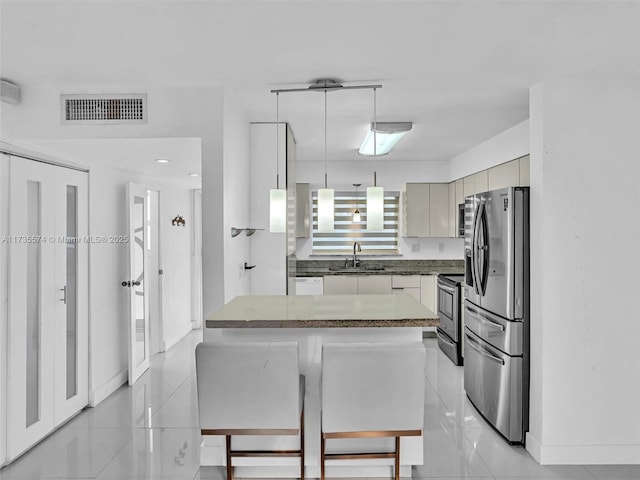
340, 285
426, 210
428, 288
504, 175
357, 284
374, 284
524, 171
417, 210
406, 284
303, 210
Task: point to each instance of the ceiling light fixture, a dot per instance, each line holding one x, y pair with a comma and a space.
375, 194
277, 196
325, 195
382, 137
162, 160
356, 213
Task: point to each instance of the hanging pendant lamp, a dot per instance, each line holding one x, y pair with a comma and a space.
325, 195
375, 194
356, 213
277, 196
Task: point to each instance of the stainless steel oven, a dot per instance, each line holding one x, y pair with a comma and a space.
449, 311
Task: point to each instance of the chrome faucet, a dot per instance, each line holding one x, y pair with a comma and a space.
356, 260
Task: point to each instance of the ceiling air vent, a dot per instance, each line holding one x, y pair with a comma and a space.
104, 109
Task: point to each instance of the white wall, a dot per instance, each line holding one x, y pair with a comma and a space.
109, 307
173, 112
585, 162
237, 197
268, 250
510, 144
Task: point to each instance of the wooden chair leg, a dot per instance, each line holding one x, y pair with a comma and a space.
397, 459
322, 456
302, 445
229, 467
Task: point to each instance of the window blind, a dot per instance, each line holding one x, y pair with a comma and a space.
340, 241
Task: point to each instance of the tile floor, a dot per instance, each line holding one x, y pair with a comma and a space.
150, 431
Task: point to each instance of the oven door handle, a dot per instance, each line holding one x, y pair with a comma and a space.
486, 320
446, 288
445, 340
478, 348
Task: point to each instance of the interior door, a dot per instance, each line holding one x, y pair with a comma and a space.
47, 377
137, 283
71, 302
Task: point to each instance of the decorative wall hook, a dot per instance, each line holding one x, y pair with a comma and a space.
178, 221
247, 231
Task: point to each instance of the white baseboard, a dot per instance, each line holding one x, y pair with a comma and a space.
533, 446
100, 393
583, 454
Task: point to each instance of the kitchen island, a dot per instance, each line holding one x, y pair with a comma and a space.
312, 321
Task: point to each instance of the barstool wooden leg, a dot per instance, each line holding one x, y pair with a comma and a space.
229, 467
322, 440
302, 445
397, 459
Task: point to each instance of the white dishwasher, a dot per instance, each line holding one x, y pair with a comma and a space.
309, 285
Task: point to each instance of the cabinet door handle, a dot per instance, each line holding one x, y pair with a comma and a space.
64, 294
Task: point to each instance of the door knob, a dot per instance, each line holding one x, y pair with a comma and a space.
135, 283
126, 284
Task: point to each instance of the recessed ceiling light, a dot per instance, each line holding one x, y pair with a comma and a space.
162, 160
194, 174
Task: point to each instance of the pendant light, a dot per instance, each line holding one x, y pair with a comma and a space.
375, 194
277, 196
325, 195
356, 213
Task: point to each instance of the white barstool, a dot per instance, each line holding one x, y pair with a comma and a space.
251, 388
371, 390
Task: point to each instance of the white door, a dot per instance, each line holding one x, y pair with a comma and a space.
47, 374
137, 283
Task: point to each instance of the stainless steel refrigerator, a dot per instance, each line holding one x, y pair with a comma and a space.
496, 363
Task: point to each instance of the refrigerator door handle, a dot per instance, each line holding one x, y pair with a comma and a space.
482, 250
474, 252
476, 346
485, 320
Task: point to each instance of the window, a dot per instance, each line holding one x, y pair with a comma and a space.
340, 241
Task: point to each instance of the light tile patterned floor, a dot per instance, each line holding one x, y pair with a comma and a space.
150, 431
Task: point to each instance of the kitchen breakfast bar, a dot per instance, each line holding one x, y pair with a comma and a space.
313, 321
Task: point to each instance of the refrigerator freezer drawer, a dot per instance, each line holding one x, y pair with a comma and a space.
450, 348
493, 383
502, 334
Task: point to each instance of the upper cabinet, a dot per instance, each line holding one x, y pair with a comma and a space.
426, 210
524, 171
505, 175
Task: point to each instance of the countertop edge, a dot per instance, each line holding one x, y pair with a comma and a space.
334, 323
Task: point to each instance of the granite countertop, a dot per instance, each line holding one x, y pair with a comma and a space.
318, 311
320, 268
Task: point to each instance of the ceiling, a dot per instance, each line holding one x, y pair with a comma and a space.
459, 70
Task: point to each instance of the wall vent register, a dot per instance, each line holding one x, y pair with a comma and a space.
104, 109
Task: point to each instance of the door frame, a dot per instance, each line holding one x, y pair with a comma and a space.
4, 297
156, 325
